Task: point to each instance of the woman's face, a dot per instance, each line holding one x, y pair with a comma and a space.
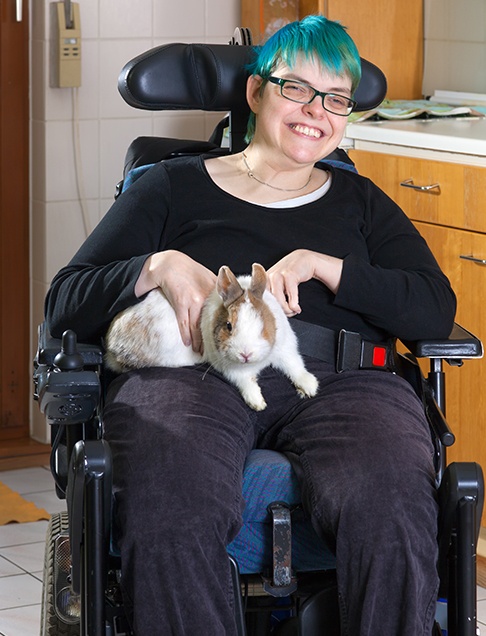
302, 133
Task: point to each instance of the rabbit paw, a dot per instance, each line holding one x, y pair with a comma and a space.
253, 396
306, 384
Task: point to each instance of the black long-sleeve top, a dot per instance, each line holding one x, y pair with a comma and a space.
391, 284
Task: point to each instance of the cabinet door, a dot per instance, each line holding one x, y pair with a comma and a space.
389, 34
455, 201
465, 386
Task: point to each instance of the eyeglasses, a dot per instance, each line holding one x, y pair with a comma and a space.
305, 94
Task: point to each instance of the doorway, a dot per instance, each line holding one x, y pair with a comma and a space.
15, 367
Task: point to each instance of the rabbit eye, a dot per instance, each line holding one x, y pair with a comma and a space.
229, 326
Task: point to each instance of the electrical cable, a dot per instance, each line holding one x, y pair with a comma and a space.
78, 165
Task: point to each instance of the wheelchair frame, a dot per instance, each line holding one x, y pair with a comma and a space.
68, 380
68, 387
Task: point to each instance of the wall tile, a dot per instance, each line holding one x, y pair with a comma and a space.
182, 19
222, 19
190, 125
115, 137
39, 429
437, 67
467, 64
39, 12
436, 19
38, 74
89, 14
114, 54
38, 232
455, 45
61, 181
127, 19
467, 20
65, 231
38, 160
59, 101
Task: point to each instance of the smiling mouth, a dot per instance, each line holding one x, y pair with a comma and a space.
308, 132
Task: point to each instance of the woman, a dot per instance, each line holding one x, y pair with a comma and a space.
339, 254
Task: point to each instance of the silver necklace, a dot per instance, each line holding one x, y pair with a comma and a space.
252, 175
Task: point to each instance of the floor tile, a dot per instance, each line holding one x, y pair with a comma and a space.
22, 556
48, 500
7, 568
28, 480
20, 533
23, 623
29, 556
19, 590
481, 614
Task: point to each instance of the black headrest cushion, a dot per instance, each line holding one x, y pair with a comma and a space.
210, 77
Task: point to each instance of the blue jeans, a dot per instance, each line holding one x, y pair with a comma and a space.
363, 453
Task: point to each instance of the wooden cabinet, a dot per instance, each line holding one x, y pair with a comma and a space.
388, 33
452, 219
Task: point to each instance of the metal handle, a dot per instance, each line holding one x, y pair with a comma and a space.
478, 261
18, 10
432, 189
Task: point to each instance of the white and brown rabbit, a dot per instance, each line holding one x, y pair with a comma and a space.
244, 330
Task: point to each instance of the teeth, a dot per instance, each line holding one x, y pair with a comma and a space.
309, 132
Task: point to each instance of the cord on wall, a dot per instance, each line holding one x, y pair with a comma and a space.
78, 165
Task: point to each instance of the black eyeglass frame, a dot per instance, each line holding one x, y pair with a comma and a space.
280, 81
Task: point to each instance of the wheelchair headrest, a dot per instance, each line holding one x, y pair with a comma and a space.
211, 77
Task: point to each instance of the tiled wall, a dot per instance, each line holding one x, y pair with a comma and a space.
113, 31
455, 45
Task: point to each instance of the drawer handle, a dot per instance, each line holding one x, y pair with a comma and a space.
432, 189
478, 261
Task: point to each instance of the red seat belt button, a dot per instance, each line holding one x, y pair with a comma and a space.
379, 356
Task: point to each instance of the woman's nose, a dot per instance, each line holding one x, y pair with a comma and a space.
316, 107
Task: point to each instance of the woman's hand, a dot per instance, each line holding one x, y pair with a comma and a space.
186, 285
298, 267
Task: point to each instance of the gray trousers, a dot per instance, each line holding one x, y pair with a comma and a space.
364, 456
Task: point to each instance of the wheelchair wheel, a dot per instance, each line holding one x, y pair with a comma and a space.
56, 575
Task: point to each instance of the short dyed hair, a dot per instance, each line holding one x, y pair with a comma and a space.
318, 39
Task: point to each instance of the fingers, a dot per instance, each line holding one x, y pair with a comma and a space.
286, 291
186, 284
189, 325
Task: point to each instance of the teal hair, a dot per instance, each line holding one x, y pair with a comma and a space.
318, 39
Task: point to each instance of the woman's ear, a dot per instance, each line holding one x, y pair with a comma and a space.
254, 92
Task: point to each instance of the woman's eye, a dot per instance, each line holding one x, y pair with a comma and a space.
340, 102
296, 90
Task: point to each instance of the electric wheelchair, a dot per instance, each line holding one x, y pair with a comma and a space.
283, 576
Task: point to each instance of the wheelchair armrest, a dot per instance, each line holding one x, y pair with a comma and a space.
461, 344
48, 348
66, 378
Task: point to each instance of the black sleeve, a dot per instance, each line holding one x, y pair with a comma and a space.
100, 279
400, 288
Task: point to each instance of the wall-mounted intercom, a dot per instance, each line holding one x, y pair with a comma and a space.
65, 57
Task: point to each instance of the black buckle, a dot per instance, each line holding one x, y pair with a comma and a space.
356, 353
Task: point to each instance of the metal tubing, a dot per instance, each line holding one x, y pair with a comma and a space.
466, 567
94, 557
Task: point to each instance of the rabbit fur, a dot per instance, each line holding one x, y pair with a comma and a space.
244, 329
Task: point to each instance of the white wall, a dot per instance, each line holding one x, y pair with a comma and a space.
113, 32
455, 45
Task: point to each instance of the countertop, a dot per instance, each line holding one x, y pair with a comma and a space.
466, 135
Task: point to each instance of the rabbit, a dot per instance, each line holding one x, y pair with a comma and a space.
244, 329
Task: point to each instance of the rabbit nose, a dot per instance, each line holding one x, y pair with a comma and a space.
245, 356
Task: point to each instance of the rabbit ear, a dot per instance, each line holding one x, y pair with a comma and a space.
258, 280
228, 287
